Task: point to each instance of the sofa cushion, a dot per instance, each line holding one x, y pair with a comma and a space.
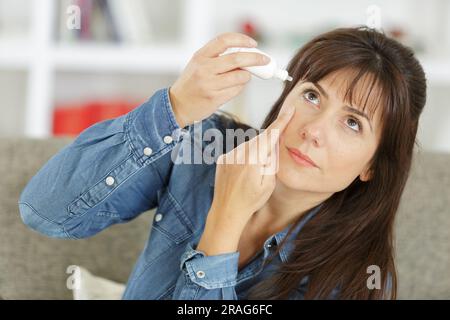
33, 266
423, 230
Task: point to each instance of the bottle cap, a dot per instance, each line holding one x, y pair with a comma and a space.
282, 75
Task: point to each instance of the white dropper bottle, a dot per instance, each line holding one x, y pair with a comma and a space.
266, 71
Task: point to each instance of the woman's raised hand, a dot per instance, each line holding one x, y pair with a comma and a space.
210, 80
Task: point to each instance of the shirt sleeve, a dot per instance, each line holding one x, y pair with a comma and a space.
109, 174
207, 277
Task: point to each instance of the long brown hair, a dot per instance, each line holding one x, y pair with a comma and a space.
354, 228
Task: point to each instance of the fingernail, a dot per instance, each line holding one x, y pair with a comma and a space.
253, 42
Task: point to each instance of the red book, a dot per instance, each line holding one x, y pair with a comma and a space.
71, 119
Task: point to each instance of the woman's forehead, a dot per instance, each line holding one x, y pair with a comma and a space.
363, 94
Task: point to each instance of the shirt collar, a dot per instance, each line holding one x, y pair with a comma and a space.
289, 246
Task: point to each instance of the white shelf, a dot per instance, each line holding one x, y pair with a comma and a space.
14, 55
166, 58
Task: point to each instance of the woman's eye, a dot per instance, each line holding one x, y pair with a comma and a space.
311, 96
354, 124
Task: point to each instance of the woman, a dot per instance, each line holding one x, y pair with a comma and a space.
341, 136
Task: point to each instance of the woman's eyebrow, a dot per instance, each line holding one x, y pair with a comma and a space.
348, 108
322, 91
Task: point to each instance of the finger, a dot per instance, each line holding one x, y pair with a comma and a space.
236, 60
229, 93
231, 79
224, 41
263, 148
273, 132
247, 154
272, 163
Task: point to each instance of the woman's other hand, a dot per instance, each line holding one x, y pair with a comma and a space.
245, 179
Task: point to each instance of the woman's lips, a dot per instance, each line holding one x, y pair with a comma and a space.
301, 158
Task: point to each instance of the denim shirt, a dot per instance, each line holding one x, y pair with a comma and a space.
117, 169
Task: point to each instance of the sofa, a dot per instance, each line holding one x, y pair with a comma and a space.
33, 266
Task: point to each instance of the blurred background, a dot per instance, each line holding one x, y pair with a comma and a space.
59, 75
67, 64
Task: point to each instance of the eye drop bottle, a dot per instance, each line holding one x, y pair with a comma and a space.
266, 71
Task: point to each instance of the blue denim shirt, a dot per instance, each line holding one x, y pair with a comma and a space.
117, 169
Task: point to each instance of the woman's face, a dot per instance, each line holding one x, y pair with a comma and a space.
335, 135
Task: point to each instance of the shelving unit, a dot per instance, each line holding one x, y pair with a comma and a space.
41, 58
43, 61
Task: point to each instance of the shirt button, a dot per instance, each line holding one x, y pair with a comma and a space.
148, 151
200, 274
158, 217
109, 181
167, 139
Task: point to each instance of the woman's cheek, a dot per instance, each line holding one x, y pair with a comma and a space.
288, 133
345, 164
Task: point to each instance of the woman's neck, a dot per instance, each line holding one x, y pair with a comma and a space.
285, 206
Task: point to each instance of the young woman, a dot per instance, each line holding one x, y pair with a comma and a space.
341, 135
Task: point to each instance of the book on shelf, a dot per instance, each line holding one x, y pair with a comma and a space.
70, 119
116, 21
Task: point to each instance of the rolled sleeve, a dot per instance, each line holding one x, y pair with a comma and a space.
85, 187
207, 277
210, 272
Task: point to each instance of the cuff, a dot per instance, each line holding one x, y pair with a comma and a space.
210, 272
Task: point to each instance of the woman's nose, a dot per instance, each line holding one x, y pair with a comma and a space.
312, 134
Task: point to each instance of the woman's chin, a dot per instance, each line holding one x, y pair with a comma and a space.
286, 177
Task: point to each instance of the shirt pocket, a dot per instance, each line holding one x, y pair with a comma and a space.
170, 219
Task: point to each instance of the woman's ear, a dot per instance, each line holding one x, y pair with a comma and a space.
366, 175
